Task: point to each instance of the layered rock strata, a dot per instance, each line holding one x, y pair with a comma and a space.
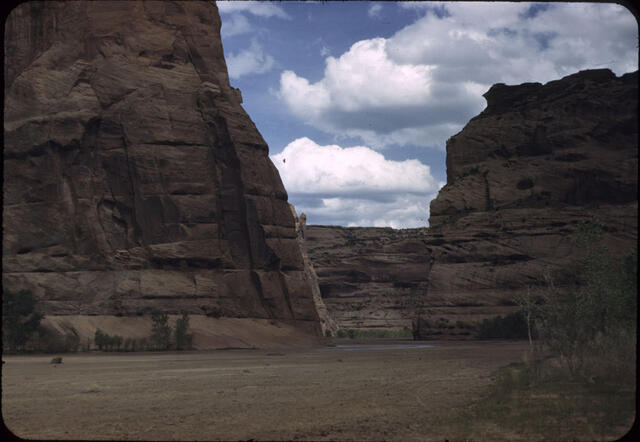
521, 178
133, 179
328, 324
370, 277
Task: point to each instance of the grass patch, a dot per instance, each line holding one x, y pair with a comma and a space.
518, 406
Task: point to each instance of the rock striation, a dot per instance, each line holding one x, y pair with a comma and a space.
370, 277
521, 177
133, 179
328, 324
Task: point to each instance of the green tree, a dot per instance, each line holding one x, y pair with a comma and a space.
19, 318
184, 339
160, 331
591, 325
100, 338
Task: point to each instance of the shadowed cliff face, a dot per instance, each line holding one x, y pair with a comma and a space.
134, 180
522, 176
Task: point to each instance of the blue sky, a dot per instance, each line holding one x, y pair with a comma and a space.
357, 99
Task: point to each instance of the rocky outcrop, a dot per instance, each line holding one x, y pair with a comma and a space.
521, 177
133, 179
370, 277
328, 324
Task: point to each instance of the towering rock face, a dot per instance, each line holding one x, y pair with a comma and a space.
525, 173
370, 277
133, 179
521, 177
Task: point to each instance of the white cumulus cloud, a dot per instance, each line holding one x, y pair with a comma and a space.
422, 85
355, 185
374, 10
262, 9
252, 60
235, 24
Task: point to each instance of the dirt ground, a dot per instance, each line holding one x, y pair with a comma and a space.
375, 392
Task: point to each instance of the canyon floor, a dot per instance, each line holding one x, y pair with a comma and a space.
382, 390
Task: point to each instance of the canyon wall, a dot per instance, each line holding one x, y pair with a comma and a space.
522, 176
135, 182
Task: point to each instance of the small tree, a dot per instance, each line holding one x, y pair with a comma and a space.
19, 318
117, 342
160, 331
100, 339
183, 337
593, 321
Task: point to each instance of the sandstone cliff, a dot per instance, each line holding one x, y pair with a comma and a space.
133, 179
370, 277
328, 324
521, 177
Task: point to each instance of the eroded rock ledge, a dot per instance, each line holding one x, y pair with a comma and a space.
134, 180
521, 177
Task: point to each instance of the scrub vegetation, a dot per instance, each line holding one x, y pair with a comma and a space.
577, 378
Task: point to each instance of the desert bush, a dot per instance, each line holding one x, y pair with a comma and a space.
100, 339
184, 339
512, 326
591, 325
50, 341
143, 344
117, 342
19, 319
107, 342
160, 331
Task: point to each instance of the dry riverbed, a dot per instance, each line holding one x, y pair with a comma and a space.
334, 393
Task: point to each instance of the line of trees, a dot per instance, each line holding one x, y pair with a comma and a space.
22, 331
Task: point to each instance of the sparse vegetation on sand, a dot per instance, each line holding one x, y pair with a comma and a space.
523, 406
577, 379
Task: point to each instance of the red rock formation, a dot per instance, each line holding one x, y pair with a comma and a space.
134, 180
521, 177
370, 277
328, 324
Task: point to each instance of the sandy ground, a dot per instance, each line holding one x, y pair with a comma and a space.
335, 393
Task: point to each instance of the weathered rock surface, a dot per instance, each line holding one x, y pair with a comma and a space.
521, 177
328, 324
133, 179
370, 277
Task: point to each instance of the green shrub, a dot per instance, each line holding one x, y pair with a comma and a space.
19, 319
591, 325
50, 341
107, 342
100, 338
117, 342
160, 331
184, 339
512, 326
